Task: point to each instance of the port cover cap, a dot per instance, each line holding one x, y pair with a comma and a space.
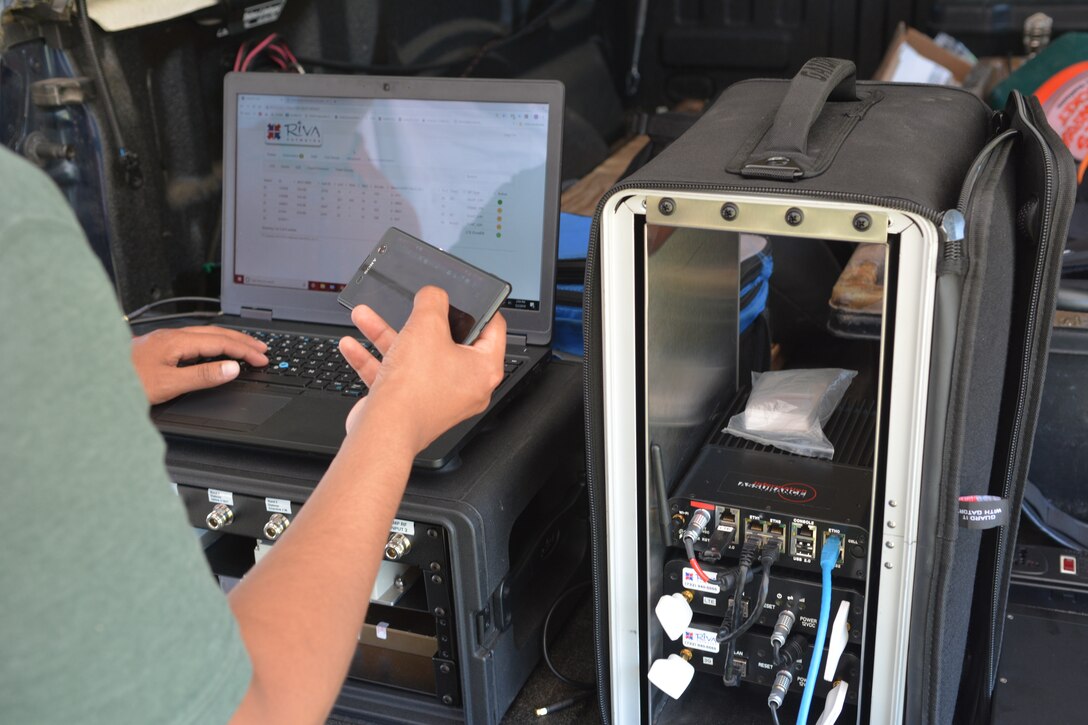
672, 676
674, 613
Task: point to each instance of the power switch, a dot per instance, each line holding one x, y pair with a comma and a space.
1068, 564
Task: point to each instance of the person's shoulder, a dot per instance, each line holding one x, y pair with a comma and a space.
26, 192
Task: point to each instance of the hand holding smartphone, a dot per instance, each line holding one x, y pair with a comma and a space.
400, 265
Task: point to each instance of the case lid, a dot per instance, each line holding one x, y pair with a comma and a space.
904, 142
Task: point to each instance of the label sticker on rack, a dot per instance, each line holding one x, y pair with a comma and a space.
223, 497
400, 526
693, 582
983, 512
701, 640
277, 506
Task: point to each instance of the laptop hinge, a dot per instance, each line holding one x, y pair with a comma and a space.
515, 339
256, 313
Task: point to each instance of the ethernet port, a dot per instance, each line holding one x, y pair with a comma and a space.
740, 667
803, 540
775, 530
743, 607
842, 544
729, 516
754, 528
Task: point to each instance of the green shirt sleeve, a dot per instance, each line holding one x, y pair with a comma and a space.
108, 611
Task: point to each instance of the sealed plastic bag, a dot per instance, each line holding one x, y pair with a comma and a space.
788, 409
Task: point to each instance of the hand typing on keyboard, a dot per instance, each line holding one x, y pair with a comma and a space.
157, 354
425, 382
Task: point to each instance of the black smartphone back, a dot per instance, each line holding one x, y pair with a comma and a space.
400, 265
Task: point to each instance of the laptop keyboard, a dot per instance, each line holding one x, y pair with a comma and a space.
315, 362
306, 361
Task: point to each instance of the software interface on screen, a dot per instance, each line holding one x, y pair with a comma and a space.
319, 180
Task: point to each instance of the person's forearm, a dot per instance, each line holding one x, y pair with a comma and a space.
302, 608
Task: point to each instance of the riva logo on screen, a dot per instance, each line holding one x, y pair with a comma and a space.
293, 134
796, 492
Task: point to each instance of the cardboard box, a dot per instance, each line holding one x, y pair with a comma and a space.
913, 57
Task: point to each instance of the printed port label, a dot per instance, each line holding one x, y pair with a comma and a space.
693, 582
223, 497
708, 661
277, 506
701, 640
710, 601
262, 13
400, 526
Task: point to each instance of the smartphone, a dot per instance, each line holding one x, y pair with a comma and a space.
388, 279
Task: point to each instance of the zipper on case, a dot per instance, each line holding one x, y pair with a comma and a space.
953, 224
1014, 439
982, 160
591, 485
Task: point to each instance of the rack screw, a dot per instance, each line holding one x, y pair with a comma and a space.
794, 217
729, 211
862, 222
439, 612
666, 206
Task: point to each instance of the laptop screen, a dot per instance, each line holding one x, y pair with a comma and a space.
318, 179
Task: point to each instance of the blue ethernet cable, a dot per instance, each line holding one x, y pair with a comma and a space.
829, 556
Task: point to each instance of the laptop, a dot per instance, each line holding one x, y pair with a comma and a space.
315, 169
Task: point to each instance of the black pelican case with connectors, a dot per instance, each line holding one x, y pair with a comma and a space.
998, 188
477, 555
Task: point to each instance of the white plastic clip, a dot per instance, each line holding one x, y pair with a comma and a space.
381, 629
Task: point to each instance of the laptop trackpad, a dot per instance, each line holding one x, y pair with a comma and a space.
225, 408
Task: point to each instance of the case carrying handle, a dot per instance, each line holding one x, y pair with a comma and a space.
820, 80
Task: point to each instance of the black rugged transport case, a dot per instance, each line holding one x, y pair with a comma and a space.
497, 539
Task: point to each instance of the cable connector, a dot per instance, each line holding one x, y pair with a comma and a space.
719, 541
728, 579
791, 655
770, 552
562, 704
696, 525
782, 627
829, 553
829, 557
789, 662
748, 552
